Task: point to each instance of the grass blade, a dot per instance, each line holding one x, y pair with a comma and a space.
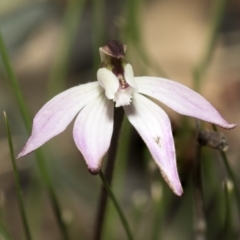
17, 180
27, 121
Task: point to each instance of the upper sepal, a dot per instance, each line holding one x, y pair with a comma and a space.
181, 99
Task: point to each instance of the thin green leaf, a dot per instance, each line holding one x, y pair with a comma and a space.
230, 174
4, 233
67, 36
27, 121
17, 180
99, 31
217, 18
228, 187
117, 206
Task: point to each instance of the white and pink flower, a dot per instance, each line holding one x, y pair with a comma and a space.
93, 103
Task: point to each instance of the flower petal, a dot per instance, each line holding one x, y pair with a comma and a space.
56, 114
108, 81
92, 131
153, 125
181, 99
129, 76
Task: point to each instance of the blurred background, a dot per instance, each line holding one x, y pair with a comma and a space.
53, 45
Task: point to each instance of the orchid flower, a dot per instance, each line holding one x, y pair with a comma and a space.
93, 103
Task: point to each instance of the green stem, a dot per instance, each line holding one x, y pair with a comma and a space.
66, 39
99, 31
219, 9
200, 221
230, 173
14, 84
17, 180
51, 193
134, 35
27, 121
198, 75
200, 70
158, 212
119, 173
228, 209
117, 206
101, 214
4, 233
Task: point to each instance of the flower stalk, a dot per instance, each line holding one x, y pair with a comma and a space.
198, 74
200, 221
3, 233
227, 231
200, 70
71, 22
17, 180
230, 174
118, 118
120, 212
14, 84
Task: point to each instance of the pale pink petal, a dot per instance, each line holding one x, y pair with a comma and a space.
92, 131
153, 125
108, 81
55, 115
181, 99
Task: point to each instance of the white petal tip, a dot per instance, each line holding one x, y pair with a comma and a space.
225, 125
94, 167
19, 155
178, 191
29, 147
94, 171
176, 188
229, 126
174, 183
22, 153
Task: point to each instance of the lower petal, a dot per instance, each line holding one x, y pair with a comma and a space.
153, 125
92, 131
